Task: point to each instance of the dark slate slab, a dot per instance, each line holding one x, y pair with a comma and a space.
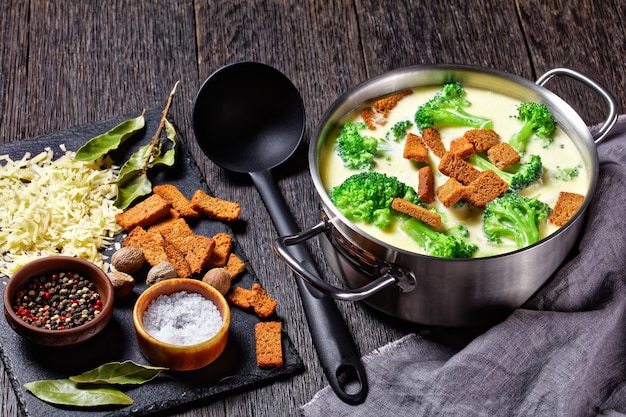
235, 370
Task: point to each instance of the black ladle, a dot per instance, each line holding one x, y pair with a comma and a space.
249, 118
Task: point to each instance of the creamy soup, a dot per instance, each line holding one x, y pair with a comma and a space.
499, 108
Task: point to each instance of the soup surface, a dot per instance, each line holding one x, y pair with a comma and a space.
561, 153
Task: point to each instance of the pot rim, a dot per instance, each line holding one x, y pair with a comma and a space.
435, 75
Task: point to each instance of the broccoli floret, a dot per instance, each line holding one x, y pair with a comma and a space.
355, 150
526, 173
446, 108
514, 216
398, 131
536, 119
367, 196
567, 174
450, 244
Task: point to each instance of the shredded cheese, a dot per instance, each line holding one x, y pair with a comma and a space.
54, 207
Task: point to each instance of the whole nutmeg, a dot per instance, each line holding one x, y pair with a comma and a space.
218, 278
128, 259
160, 272
123, 283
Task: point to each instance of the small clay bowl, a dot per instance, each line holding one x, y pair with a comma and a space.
181, 357
67, 337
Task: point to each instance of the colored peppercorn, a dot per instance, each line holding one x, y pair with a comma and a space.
56, 302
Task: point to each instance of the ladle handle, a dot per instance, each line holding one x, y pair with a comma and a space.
335, 348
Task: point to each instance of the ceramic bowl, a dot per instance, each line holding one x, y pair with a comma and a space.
181, 357
67, 337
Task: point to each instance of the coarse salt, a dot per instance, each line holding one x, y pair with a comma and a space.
182, 318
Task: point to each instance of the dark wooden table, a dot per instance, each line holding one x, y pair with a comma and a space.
64, 64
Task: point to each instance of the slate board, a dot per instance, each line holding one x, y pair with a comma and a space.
235, 370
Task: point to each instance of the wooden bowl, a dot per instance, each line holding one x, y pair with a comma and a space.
67, 337
181, 357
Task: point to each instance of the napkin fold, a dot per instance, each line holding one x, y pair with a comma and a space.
563, 353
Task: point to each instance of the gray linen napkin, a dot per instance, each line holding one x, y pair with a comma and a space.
561, 354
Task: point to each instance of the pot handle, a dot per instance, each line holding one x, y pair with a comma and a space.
610, 120
391, 276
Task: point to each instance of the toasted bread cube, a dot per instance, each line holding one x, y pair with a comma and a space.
176, 198
485, 188
503, 155
215, 208
223, 247
268, 343
432, 139
371, 118
144, 213
152, 250
177, 258
462, 147
566, 206
426, 184
458, 168
482, 139
198, 251
450, 192
385, 105
418, 212
414, 148
234, 266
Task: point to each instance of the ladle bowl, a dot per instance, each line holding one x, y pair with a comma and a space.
248, 117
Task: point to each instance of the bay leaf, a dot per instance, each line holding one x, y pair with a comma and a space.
119, 373
110, 140
68, 392
131, 189
168, 157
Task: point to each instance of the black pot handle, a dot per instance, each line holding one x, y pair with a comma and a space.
387, 279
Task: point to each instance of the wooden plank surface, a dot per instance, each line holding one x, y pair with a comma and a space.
69, 63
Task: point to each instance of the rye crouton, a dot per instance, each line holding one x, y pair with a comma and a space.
214, 207
223, 247
268, 342
144, 213
462, 147
418, 212
371, 118
566, 206
450, 192
414, 148
177, 258
485, 188
152, 250
482, 139
503, 155
255, 298
426, 184
385, 105
176, 198
458, 168
198, 250
432, 139
234, 266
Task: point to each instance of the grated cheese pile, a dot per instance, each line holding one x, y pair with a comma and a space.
54, 207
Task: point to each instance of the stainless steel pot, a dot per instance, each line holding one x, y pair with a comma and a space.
429, 290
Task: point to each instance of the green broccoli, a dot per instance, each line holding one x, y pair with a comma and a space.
367, 196
355, 150
514, 216
446, 108
398, 130
453, 243
526, 173
567, 174
536, 119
